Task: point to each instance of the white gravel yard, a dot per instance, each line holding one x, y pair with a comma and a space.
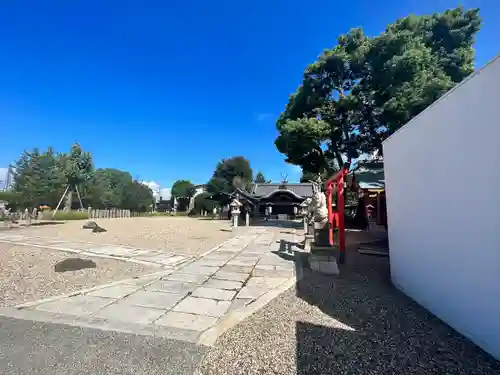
354, 324
181, 235
27, 274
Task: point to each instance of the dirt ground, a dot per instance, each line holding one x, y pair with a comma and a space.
28, 274
181, 235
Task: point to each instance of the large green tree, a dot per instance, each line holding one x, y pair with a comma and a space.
365, 88
260, 178
78, 168
137, 197
183, 191
42, 177
37, 178
229, 174
108, 188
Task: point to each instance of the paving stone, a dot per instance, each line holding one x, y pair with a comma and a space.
231, 249
223, 284
163, 259
237, 269
141, 252
243, 262
149, 298
256, 249
187, 277
199, 270
266, 282
239, 303
221, 255
115, 292
186, 321
203, 306
78, 305
144, 280
212, 293
210, 262
273, 273
251, 292
232, 276
170, 286
129, 313
275, 261
264, 267
111, 250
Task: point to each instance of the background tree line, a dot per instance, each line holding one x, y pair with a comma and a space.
41, 178
365, 88
229, 174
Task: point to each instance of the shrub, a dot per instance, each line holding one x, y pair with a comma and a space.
69, 215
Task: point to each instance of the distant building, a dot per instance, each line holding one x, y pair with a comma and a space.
280, 200
6, 179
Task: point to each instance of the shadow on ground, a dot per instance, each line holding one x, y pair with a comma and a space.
379, 330
74, 264
285, 224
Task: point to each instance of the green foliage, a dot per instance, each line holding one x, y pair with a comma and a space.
112, 188
67, 215
183, 189
310, 176
229, 174
365, 88
38, 178
201, 203
260, 178
13, 199
42, 177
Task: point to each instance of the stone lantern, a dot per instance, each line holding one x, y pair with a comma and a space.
235, 211
303, 212
303, 208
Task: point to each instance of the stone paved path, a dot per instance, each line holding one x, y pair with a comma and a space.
195, 302
119, 252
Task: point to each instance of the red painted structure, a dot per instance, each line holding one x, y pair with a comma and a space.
336, 219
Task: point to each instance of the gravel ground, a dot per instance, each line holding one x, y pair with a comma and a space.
181, 235
356, 324
27, 274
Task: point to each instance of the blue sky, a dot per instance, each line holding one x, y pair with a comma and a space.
165, 91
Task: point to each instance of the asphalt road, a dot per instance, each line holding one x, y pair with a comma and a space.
28, 347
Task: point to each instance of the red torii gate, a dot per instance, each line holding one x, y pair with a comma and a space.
336, 219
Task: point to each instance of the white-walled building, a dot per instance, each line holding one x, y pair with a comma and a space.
6, 178
442, 176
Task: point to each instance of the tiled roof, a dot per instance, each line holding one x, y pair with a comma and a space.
302, 189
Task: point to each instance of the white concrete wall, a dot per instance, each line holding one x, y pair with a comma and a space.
442, 174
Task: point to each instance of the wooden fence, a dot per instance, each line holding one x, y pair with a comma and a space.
109, 214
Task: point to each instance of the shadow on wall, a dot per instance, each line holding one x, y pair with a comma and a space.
379, 330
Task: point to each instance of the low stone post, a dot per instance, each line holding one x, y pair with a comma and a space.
247, 219
27, 217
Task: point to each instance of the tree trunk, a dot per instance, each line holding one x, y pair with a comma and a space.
69, 199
